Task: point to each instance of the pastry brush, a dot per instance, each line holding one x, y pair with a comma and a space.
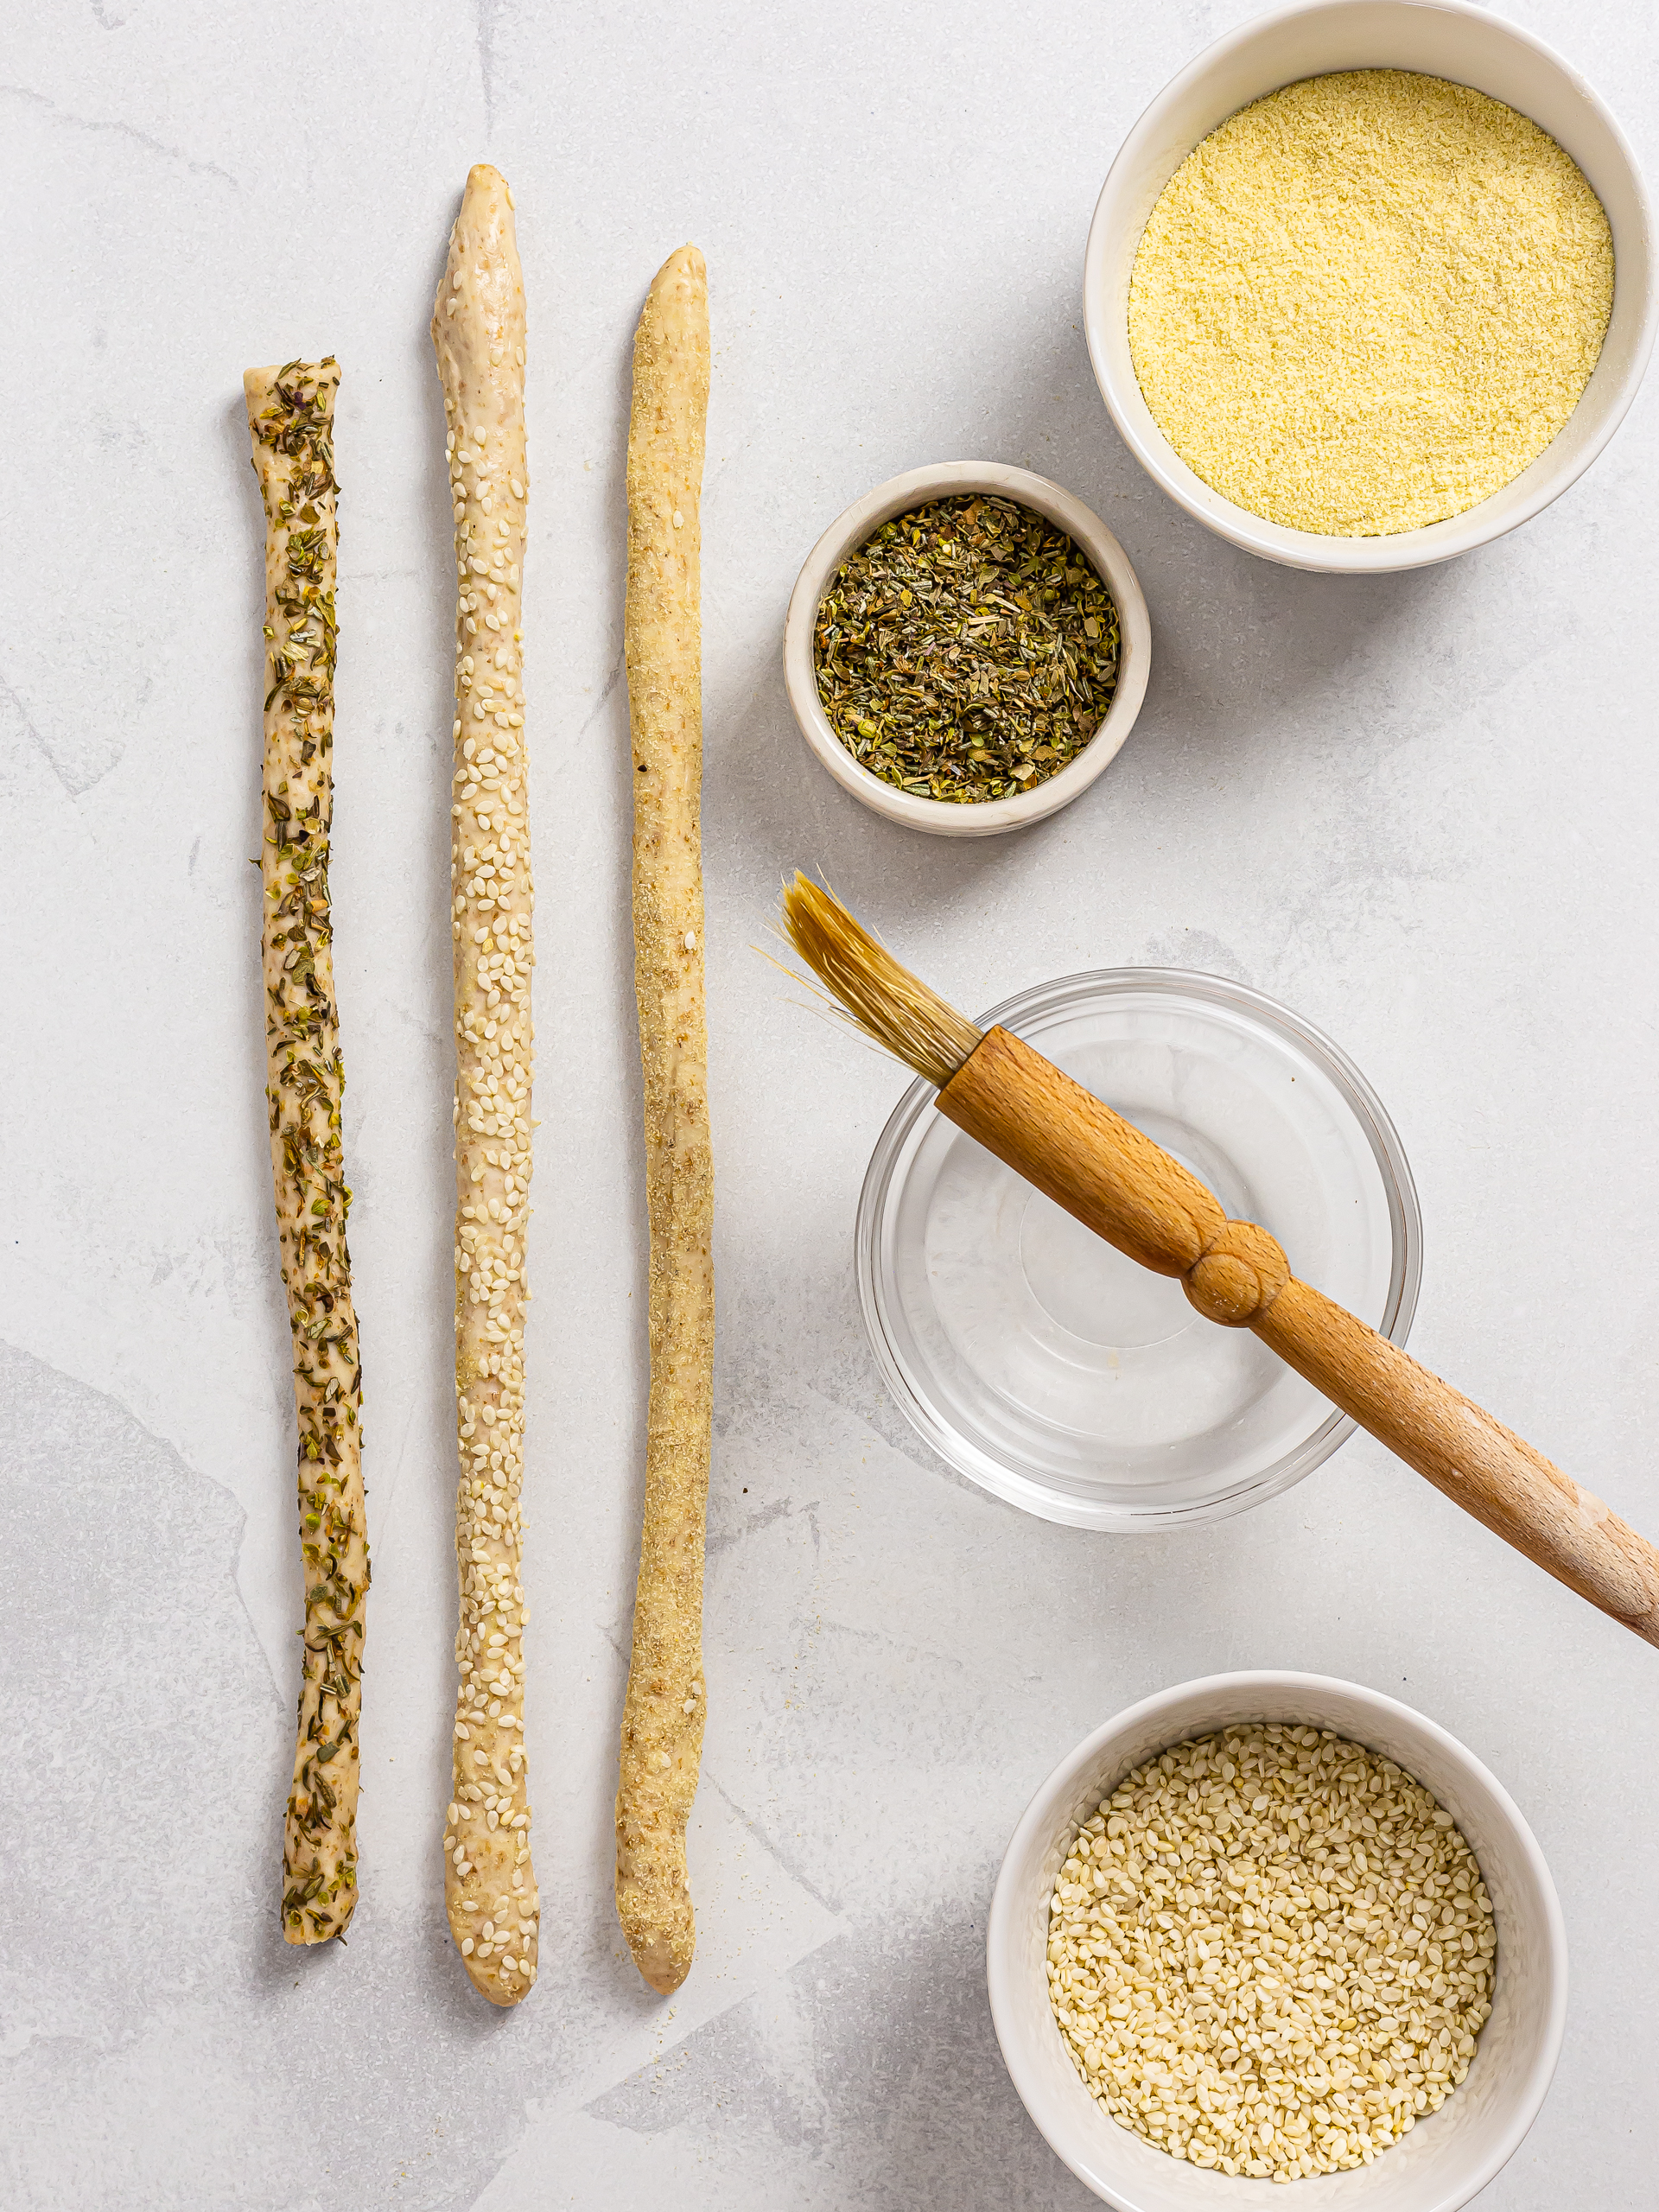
1116, 1181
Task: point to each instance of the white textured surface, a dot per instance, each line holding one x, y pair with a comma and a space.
1422, 810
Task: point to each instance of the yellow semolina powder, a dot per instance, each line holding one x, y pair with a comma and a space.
1368, 301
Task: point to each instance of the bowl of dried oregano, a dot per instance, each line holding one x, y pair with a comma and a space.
1370, 283
967, 648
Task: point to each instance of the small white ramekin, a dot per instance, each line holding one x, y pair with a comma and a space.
897, 496
1441, 38
1447, 2158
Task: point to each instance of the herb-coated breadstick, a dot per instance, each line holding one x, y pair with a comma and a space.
290, 413
478, 329
662, 1724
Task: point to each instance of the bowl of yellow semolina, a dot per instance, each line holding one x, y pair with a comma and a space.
1370, 282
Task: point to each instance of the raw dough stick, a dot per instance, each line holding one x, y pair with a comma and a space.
291, 414
662, 1724
478, 329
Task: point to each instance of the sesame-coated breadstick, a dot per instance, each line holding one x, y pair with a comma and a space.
290, 413
662, 1724
478, 329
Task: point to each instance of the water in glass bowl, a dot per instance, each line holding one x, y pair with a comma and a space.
1045, 1365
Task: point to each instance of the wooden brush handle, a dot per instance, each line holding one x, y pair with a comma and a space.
1126, 1188
1464, 1453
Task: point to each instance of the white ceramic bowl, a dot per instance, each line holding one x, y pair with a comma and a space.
1441, 38
897, 496
1447, 2158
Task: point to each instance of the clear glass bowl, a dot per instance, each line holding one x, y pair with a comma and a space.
1062, 1377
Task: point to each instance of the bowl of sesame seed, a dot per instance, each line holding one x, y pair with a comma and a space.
1269, 1927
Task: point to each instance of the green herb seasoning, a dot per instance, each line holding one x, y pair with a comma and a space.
967, 650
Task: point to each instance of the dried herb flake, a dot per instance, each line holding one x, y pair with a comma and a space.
967, 650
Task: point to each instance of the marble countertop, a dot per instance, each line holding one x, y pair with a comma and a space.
1420, 810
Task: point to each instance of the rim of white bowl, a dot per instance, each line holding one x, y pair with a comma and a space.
1433, 541
1039, 1822
897, 496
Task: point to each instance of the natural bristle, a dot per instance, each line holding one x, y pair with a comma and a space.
886, 1001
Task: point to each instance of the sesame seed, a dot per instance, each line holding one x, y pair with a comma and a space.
1268, 1952
490, 909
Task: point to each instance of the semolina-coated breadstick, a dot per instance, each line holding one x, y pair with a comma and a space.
291, 414
478, 330
662, 1725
